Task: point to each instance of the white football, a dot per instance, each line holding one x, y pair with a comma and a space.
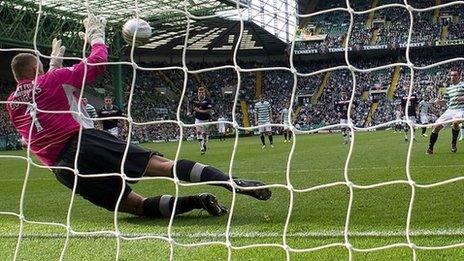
140, 27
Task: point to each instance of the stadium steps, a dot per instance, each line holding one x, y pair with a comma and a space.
436, 12
365, 95
375, 36
246, 116
173, 92
311, 8
199, 80
321, 88
370, 17
372, 110
259, 84
296, 113
444, 33
394, 82
170, 82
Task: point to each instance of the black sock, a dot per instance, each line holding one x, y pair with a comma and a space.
455, 136
270, 138
433, 139
285, 135
289, 136
262, 139
191, 171
161, 207
424, 129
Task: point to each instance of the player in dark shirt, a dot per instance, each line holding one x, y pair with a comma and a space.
110, 110
411, 110
202, 110
341, 107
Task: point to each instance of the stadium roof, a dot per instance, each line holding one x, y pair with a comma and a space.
264, 30
116, 10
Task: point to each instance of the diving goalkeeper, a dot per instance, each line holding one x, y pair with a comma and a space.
54, 137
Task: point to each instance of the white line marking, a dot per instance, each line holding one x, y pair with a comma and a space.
310, 234
296, 171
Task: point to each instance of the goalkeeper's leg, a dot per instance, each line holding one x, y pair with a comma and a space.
163, 206
191, 171
101, 152
105, 192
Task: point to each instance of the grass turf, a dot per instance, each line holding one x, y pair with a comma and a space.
378, 215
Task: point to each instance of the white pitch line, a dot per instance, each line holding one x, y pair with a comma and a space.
296, 171
315, 234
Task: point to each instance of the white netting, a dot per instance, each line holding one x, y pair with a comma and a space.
227, 243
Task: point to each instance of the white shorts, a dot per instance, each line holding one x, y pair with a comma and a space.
286, 126
264, 128
198, 121
424, 118
114, 131
345, 121
450, 114
222, 129
202, 127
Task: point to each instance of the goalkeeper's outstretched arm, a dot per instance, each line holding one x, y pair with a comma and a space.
95, 34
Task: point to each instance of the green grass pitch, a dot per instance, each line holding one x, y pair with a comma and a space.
378, 215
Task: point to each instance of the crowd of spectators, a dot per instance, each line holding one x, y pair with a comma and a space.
157, 94
155, 98
9, 138
391, 25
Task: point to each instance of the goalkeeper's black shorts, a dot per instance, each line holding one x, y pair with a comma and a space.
101, 153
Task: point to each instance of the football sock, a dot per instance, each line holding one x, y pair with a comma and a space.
262, 139
285, 135
270, 138
200, 140
162, 206
191, 171
424, 129
455, 136
433, 139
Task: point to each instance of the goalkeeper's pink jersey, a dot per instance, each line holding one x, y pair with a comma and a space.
56, 90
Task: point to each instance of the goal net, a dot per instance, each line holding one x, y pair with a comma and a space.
280, 19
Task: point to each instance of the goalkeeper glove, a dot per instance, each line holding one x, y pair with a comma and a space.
57, 54
94, 29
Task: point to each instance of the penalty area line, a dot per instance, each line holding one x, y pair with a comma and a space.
315, 234
292, 171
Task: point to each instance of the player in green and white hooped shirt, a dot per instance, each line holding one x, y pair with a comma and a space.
286, 122
263, 115
454, 95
